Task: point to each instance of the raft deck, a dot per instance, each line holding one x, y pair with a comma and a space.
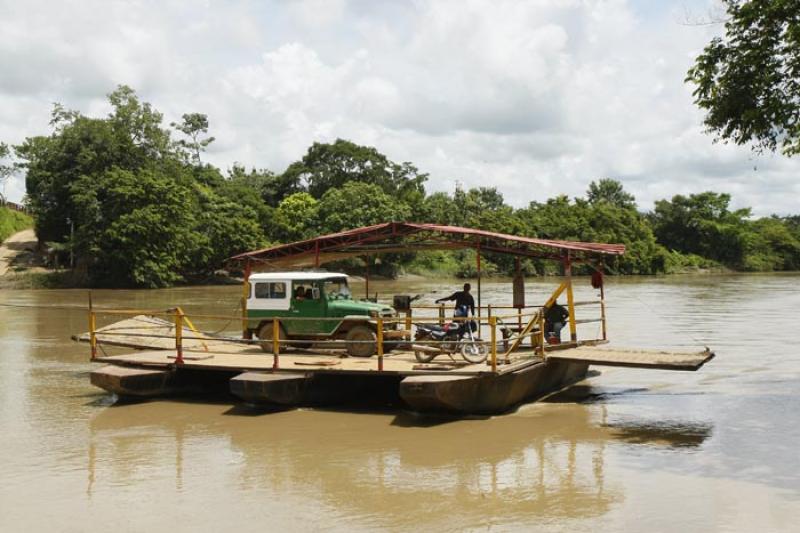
244, 358
324, 376
633, 358
156, 337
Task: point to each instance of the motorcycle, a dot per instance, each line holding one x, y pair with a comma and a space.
453, 337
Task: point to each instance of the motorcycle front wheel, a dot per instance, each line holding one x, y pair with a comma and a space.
474, 352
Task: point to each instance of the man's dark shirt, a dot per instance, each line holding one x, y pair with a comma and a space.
556, 313
461, 298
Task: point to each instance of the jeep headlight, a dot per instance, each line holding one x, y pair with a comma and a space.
373, 313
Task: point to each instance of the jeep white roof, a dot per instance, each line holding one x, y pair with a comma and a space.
295, 276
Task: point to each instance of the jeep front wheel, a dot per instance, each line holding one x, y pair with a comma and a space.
361, 341
265, 336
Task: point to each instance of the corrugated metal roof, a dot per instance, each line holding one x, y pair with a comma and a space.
411, 236
295, 276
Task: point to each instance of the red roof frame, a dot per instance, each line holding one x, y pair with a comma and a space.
410, 236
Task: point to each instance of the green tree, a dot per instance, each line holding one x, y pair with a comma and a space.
703, 224
247, 190
437, 208
611, 191
136, 128
297, 217
130, 138
359, 204
6, 168
224, 227
326, 166
135, 228
143, 216
793, 224
271, 188
581, 220
748, 81
771, 245
193, 126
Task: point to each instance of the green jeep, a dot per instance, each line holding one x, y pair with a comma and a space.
322, 295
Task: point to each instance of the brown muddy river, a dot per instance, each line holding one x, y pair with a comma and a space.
636, 450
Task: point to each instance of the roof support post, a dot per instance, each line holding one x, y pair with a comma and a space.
573, 330
366, 277
602, 301
478, 257
246, 334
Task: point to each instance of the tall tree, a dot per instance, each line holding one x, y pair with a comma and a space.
610, 191
748, 81
331, 165
130, 138
193, 126
359, 204
6, 168
142, 215
703, 224
135, 228
297, 217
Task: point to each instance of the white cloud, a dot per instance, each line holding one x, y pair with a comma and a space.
537, 98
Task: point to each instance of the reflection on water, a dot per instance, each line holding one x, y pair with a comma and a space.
666, 432
671, 433
548, 463
674, 451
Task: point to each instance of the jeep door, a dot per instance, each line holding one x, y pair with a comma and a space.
308, 303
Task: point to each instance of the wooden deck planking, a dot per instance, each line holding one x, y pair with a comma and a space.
153, 333
634, 358
254, 359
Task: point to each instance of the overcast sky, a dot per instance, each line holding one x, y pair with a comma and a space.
537, 98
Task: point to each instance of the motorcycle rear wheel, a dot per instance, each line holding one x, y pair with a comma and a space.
424, 357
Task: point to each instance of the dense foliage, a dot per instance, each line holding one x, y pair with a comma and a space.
12, 221
748, 81
145, 211
134, 202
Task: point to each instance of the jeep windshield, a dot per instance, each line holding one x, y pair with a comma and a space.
336, 289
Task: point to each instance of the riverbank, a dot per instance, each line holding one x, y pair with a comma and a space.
32, 278
23, 267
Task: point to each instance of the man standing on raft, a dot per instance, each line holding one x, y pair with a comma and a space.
463, 299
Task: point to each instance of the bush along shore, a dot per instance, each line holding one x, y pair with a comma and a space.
132, 202
13, 221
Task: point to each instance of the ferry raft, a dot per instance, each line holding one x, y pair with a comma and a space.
306, 341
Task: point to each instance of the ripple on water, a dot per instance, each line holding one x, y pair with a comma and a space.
625, 446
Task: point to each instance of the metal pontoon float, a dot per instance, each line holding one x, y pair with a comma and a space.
175, 357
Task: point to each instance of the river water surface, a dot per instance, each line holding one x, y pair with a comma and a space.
628, 449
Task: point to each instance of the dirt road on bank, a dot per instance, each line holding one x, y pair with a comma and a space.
14, 245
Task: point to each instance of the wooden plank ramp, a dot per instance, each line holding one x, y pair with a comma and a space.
634, 358
152, 333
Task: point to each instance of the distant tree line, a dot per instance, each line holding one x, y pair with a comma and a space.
135, 203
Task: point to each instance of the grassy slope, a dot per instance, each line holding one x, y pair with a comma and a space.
12, 221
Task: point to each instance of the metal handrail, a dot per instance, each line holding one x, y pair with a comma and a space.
180, 318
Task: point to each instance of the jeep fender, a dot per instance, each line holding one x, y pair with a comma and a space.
349, 321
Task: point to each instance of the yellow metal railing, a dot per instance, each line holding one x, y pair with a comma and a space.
534, 329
